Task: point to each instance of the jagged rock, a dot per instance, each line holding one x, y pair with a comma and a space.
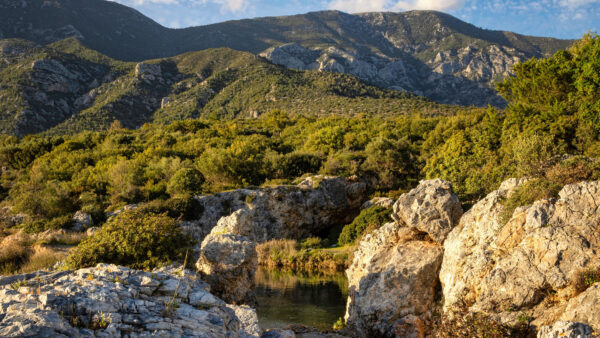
393, 275
228, 263
528, 264
431, 208
82, 221
148, 71
108, 301
466, 250
313, 206
565, 330
385, 202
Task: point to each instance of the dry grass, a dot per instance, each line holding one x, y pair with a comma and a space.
14, 252
586, 278
277, 247
43, 257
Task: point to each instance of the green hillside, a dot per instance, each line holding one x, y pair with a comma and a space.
66, 88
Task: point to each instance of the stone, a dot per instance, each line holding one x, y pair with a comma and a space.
66, 304
385, 202
431, 208
564, 329
228, 263
528, 265
82, 221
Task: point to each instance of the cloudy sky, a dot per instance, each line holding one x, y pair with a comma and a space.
557, 18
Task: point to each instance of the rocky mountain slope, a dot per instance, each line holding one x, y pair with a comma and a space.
65, 87
427, 53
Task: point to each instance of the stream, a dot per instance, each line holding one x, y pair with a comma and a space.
286, 297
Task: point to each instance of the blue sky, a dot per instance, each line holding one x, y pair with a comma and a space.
556, 18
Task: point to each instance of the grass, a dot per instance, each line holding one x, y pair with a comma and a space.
308, 255
586, 278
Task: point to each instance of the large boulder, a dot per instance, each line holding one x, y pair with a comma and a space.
293, 212
228, 262
431, 208
394, 273
528, 267
109, 301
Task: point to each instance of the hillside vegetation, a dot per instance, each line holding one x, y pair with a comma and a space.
66, 88
424, 52
159, 167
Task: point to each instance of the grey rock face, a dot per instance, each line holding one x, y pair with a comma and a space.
385, 202
228, 263
431, 208
293, 212
394, 273
83, 221
566, 330
108, 301
506, 269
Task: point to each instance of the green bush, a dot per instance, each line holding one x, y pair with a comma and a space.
368, 219
186, 181
185, 207
37, 226
135, 239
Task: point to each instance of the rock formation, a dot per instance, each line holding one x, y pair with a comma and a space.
312, 207
528, 267
227, 256
393, 276
108, 301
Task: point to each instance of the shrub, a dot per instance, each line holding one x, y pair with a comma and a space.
135, 239
63, 222
186, 181
368, 219
586, 278
185, 207
13, 254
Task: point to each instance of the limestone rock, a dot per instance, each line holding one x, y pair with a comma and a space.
392, 279
82, 221
108, 301
467, 247
394, 272
505, 269
385, 202
431, 208
566, 330
295, 212
228, 263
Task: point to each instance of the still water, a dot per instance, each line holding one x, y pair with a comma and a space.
285, 298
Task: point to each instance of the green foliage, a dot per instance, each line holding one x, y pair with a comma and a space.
186, 181
134, 239
369, 219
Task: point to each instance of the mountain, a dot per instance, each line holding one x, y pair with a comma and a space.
65, 87
424, 52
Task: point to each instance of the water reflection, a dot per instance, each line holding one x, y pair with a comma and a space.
285, 297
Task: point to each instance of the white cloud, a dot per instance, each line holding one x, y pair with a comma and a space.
576, 3
232, 6
354, 6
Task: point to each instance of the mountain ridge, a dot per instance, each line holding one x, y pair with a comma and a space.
425, 52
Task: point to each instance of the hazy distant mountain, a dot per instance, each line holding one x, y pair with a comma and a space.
425, 52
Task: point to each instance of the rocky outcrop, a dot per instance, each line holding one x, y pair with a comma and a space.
240, 219
312, 207
82, 221
528, 266
431, 208
228, 263
108, 301
393, 276
565, 330
384, 202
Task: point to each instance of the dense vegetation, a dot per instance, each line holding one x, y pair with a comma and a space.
160, 166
